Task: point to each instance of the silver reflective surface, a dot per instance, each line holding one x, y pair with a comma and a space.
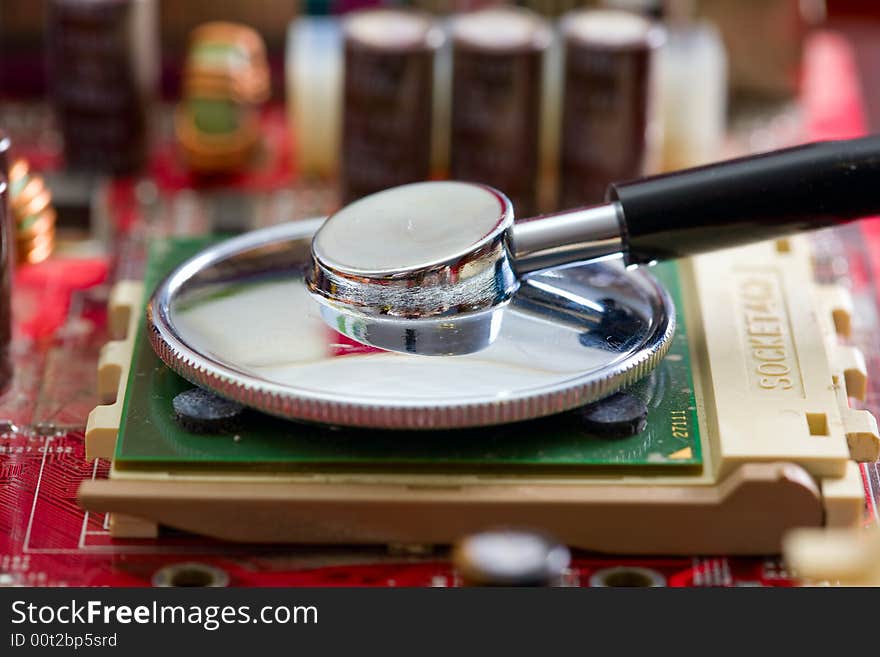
426, 268
576, 235
238, 319
423, 268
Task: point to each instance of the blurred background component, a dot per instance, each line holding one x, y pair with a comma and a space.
656, 9
387, 100
7, 233
764, 40
225, 81
693, 81
103, 70
496, 101
31, 211
313, 84
343, 133
846, 557
609, 127
511, 557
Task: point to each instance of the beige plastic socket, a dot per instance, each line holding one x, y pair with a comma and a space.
843, 498
772, 462
127, 526
747, 513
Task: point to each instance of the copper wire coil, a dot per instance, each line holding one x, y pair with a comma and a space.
39, 202
40, 237
39, 240
37, 254
18, 169
32, 187
37, 248
31, 208
42, 223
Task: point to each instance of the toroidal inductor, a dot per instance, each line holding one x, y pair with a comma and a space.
30, 204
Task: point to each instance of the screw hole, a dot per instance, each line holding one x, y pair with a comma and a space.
627, 577
190, 575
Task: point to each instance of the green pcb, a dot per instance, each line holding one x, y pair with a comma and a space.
151, 439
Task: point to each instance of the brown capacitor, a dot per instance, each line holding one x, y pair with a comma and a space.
387, 100
607, 104
498, 63
103, 68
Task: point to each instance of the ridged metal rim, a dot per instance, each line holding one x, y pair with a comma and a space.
309, 406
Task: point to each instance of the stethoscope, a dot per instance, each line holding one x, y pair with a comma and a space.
446, 294
533, 317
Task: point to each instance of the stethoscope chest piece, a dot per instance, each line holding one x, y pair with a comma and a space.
238, 319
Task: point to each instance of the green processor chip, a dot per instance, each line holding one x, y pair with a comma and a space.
150, 438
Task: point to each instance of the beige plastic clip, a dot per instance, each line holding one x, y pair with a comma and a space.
114, 362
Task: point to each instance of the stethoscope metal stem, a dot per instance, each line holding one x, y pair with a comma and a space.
565, 237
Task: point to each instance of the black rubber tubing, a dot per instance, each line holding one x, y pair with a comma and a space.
749, 199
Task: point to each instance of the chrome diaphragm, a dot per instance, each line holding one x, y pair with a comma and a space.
428, 268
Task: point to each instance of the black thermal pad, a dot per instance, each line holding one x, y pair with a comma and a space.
619, 416
201, 411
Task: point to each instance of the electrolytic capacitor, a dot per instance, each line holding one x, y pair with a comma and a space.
387, 100
496, 101
608, 126
103, 70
